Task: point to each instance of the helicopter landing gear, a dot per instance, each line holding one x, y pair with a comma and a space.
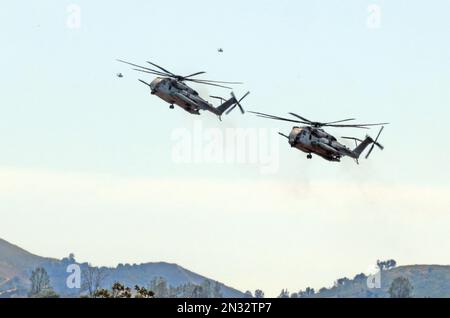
171, 107
309, 156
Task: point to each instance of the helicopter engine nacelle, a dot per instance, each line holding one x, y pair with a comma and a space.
321, 134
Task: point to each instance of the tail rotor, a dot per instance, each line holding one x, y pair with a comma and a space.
237, 103
375, 143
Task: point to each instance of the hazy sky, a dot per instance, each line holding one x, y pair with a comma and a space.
87, 163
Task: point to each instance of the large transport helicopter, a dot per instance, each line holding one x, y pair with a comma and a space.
174, 90
312, 139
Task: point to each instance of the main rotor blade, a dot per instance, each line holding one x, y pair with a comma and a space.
346, 126
278, 118
144, 82
364, 126
148, 72
143, 67
161, 68
302, 118
198, 73
379, 124
340, 121
206, 83
273, 117
218, 82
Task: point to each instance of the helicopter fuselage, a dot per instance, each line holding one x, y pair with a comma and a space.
178, 93
316, 140
312, 139
174, 90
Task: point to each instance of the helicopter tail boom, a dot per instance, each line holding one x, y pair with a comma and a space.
362, 146
229, 105
365, 143
219, 110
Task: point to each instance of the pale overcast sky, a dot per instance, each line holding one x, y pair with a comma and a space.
86, 155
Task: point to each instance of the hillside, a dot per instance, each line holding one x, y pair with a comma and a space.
16, 265
428, 281
18, 257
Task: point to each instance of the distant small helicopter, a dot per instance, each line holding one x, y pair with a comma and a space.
220, 50
312, 139
173, 89
119, 75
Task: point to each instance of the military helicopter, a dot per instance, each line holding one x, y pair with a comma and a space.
119, 75
312, 139
220, 50
174, 90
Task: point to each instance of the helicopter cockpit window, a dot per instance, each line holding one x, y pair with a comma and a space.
302, 133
